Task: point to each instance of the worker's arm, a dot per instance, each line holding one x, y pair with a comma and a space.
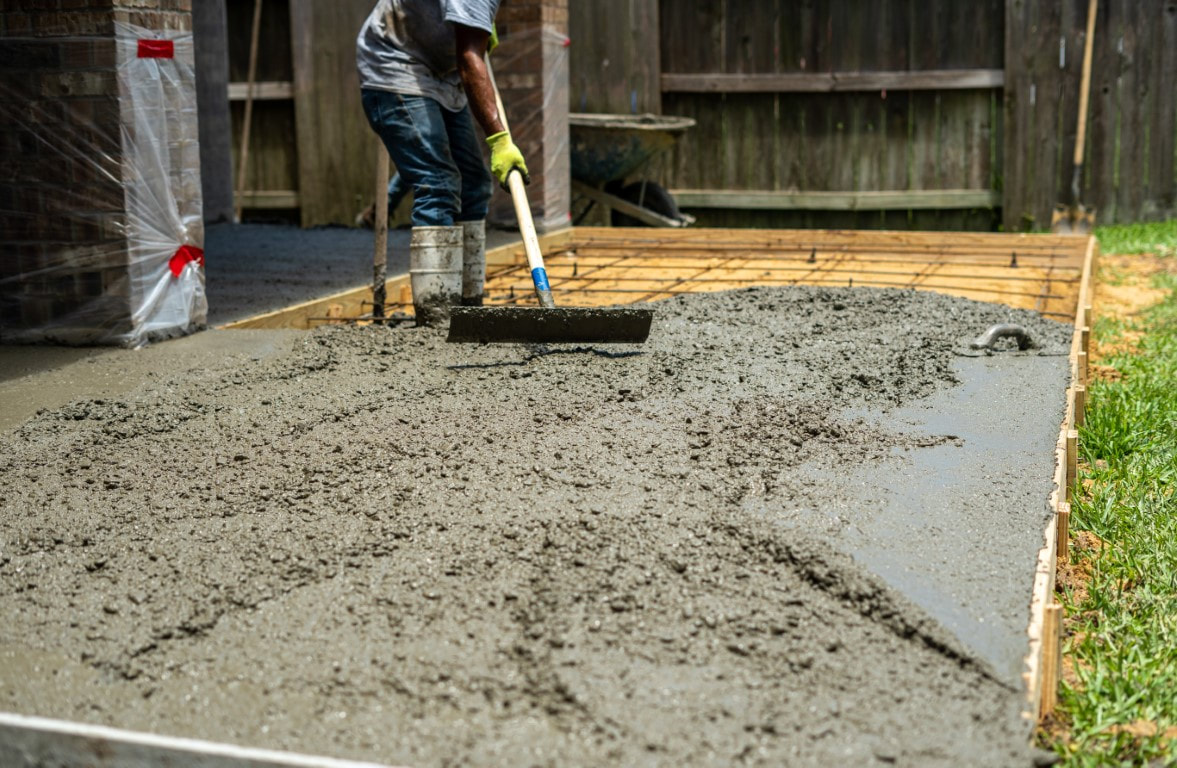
471, 45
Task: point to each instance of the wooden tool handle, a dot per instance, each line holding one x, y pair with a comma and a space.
535, 257
1085, 83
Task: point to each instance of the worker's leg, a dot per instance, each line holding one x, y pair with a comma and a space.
466, 148
398, 188
414, 130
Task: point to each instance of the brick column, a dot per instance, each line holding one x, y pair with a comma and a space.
531, 66
81, 213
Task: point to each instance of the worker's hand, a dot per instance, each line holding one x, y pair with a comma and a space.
505, 157
492, 42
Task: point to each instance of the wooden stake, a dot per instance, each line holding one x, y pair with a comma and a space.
1080, 404
1072, 460
243, 158
1063, 532
380, 249
1051, 657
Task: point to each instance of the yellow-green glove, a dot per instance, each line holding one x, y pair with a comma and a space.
505, 157
493, 41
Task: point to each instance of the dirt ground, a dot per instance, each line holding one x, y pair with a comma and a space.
1123, 288
367, 543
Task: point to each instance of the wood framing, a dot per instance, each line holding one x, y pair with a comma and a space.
596, 266
1042, 668
624, 206
36, 742
834, 82
276, 89
876, 200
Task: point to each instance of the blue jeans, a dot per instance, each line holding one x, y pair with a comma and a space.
436, 152
398, 188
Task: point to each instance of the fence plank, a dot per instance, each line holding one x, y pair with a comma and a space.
615, 56
333, 185
1099, 187
829, 82
1134, 107
1162, 40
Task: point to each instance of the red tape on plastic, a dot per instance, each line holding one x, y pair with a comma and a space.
183, 255
157, 49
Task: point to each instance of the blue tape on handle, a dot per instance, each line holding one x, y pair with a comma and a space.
540, 276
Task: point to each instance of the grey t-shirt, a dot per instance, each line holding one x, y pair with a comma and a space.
407, 46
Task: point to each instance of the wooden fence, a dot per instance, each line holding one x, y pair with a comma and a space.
311, 154
1132, 127
891, 113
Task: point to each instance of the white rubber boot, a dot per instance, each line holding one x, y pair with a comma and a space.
473, 262
435, 272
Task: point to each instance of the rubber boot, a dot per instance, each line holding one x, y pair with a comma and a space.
435, 272
473, 262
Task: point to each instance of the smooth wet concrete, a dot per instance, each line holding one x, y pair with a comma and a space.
377, 545
925, 520
35, 378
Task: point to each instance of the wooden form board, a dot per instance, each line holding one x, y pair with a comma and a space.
1043, 665
593, 267
37, 742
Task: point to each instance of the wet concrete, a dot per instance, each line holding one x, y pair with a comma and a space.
378, 545
931, 509
34, 378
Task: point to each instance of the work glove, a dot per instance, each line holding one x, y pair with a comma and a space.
493, 41
505, 157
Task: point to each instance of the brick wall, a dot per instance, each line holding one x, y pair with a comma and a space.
531, 67
66, 260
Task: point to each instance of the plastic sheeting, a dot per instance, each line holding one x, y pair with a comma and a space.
102, 212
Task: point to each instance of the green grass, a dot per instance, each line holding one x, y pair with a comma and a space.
1159, 237
1123, 633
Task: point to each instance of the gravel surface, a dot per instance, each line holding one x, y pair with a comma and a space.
380, 546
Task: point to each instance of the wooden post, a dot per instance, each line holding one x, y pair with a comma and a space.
1080, 404
1051, 657
243, 156
1072, 460
1063, 532
380, 250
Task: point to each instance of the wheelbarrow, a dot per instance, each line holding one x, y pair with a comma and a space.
608, 148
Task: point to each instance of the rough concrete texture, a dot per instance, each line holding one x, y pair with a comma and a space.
380, 546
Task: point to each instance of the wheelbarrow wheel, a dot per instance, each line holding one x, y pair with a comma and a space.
655, 198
